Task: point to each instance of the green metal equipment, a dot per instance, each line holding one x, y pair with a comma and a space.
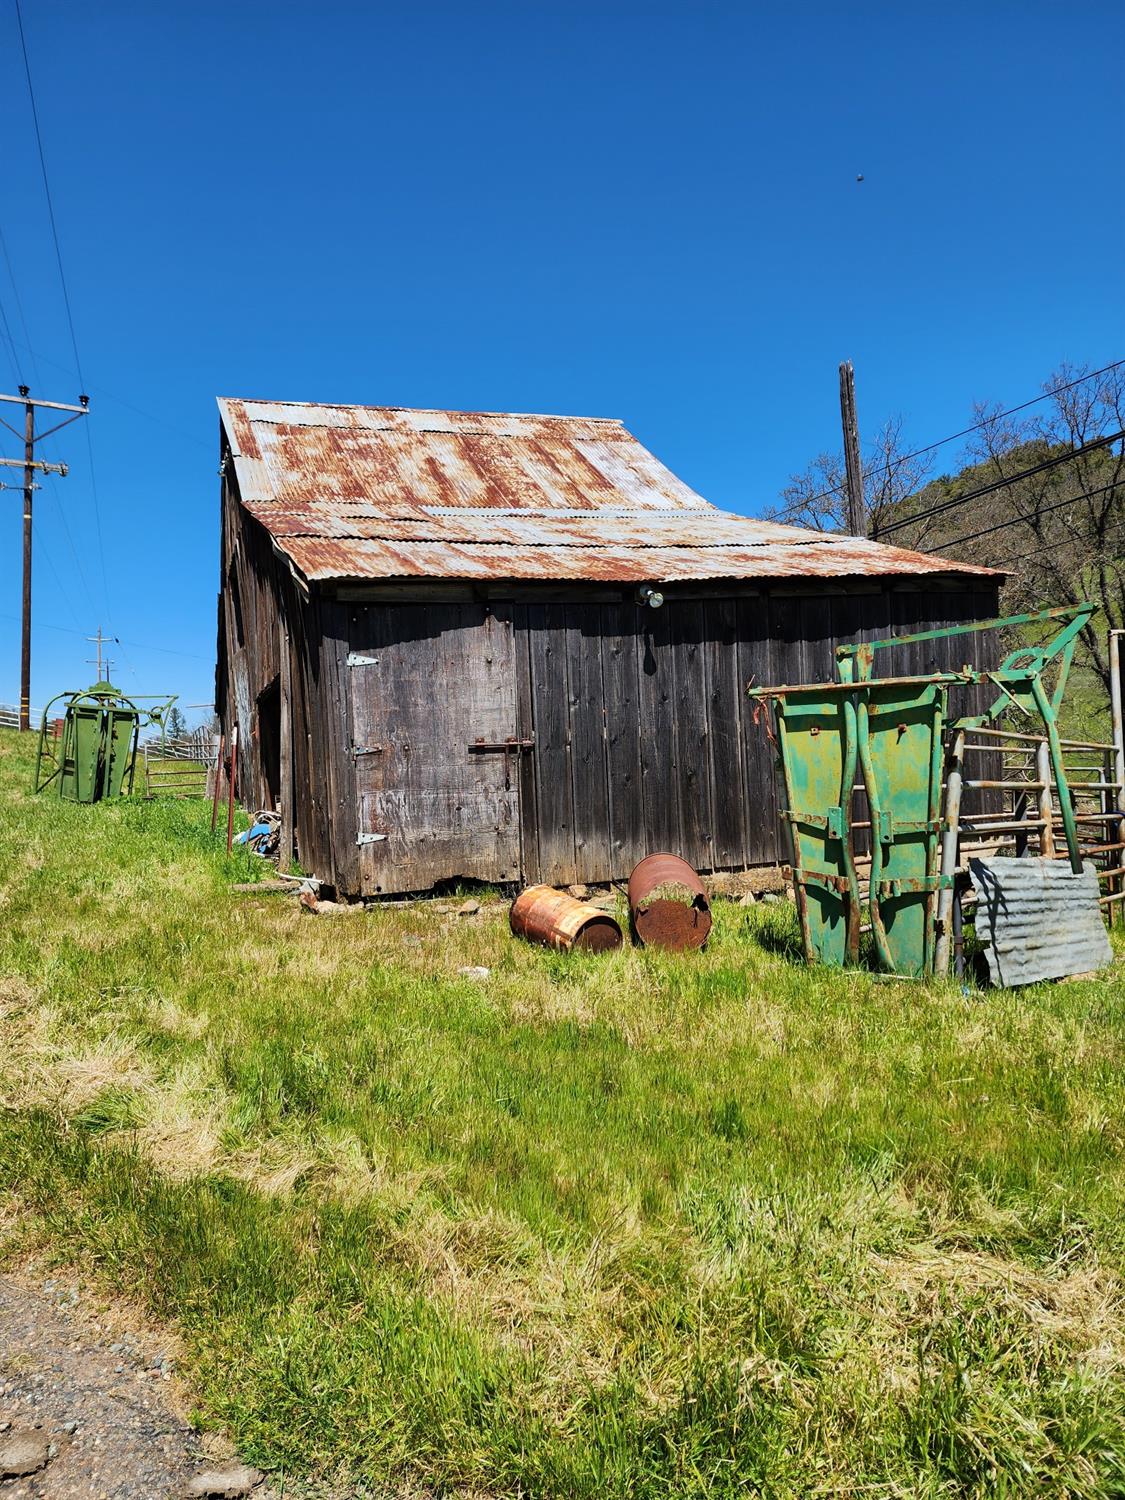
94, 754
890, 730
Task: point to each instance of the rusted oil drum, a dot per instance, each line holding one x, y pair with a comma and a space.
543, 915
669, 905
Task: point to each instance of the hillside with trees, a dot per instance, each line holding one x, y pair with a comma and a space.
1040, 493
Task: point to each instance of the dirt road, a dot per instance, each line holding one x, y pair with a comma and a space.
86, 1408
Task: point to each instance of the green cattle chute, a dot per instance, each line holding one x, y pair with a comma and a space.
882, 737
95, 753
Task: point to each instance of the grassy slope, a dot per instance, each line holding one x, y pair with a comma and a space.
635, 1226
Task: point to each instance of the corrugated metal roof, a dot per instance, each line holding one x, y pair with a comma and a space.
1038, 919
364, 492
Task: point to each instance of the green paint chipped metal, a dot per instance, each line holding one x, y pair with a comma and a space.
889, 731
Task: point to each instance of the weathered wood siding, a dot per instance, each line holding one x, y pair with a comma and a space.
432, 689
644, 737
262, 612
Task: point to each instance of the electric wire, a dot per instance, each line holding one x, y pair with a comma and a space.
117, 641
1000, 484
66, 296
1056, 390
1045, 510
1054, 546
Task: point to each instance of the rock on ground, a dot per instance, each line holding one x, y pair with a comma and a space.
93, 1419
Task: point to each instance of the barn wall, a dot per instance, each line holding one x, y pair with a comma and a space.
644, 736
262, 614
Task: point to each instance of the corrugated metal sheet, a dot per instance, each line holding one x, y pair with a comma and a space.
1039, 919
383, 492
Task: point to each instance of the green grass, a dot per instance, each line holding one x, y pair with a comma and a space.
620, 1226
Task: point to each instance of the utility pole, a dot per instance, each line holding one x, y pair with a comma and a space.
857, 511
30, 464
100, 640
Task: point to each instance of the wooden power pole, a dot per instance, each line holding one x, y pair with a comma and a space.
29, 464
857, 511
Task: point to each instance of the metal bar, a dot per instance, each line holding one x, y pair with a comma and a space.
1066, 807
1113, 871
1067, 613
1002, 749
1034, 739
1046, 806
1003, 786
878, 930
950, 839
847, 779
1110, 900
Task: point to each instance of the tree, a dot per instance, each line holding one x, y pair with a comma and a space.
817, 496
1059, 533
1065, 537
175, 725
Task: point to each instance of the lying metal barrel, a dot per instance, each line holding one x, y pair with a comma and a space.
669, 905
551, 917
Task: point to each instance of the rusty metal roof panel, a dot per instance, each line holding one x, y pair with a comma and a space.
385, 492
321, 559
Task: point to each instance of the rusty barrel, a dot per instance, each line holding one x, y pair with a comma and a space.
543, 915
669, 905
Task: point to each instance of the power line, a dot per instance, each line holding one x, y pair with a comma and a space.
1056, 390
42, 624
1054, 546
1001, 484
1028, 520
47, 191
105, 395
65, 292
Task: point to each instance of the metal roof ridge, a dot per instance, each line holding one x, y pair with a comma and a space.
437, 411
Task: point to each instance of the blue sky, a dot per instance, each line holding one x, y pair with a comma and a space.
648, 212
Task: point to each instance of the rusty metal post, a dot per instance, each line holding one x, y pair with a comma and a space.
950, 851
1046, 802
230, 787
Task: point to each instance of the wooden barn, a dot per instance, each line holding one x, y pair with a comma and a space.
516, 648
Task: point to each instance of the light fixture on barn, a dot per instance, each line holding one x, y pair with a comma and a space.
646, 594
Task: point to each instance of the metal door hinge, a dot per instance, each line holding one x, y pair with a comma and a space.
371, 838
357, 659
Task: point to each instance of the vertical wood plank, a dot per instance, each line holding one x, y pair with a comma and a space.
589, 770
285, 845
693, 750
659, 768
525, 730
724, 712
769, 652
620, 649
553, 779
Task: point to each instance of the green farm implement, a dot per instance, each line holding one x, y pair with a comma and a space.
891, 738
94, 753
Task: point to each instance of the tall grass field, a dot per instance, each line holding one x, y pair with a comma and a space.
620, 1226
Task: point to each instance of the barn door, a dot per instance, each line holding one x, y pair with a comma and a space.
434, 736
